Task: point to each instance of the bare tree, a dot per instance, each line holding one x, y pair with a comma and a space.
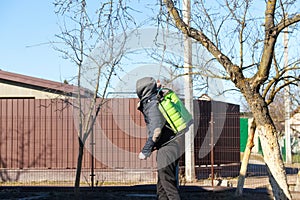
89, 40
277, 109
233, 35
231, 32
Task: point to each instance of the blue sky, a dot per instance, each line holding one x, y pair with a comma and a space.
26, 28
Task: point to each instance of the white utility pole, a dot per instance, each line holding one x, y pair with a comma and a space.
188, 94
287, 125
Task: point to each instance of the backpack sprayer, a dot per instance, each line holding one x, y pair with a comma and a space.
173, 110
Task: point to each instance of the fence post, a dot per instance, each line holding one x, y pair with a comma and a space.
92, 156
212, 148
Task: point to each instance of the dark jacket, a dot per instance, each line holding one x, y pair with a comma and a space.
158, 131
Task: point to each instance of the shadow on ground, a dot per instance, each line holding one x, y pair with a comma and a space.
146, 192
140, 192
261, 170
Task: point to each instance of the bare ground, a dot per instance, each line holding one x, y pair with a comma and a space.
146, 192
256, 188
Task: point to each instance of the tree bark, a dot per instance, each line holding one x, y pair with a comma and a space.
245, 161
297, 186
273, 160
79, 164
269, 140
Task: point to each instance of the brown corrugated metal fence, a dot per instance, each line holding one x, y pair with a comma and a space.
218, 124
40, 134
37, 134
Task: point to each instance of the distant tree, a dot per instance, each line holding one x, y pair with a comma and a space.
277, 112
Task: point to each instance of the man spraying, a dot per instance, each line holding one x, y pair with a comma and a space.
160, 138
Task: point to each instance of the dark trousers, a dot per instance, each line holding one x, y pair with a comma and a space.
167, 162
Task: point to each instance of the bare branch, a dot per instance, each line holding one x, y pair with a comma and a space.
272, 87
233, 70
285, 22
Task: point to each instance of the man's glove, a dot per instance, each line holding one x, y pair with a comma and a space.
142, 156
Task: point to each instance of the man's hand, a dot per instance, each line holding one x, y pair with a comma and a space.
142, 156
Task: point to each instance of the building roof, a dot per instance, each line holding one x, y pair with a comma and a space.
37, 83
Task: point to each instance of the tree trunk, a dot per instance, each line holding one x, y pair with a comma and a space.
297, 186
273, 160
245, 161
79, 164
266, 131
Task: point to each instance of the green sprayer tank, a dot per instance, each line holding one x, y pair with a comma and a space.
174, 111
